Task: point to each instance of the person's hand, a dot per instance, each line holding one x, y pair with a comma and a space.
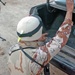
43, 37
70, 5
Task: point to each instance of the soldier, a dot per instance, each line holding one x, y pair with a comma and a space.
27, 57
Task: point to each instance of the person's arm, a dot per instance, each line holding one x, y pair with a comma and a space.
45, 53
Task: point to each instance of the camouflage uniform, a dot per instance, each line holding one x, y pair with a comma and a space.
19, 64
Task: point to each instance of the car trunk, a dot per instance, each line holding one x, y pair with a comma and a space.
52, 19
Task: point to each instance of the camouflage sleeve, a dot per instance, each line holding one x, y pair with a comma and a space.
45, 53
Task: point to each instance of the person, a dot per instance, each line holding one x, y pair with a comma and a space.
28, 57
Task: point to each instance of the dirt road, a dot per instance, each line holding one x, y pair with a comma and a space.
9, 17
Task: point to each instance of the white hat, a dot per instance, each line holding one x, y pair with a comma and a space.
29, 28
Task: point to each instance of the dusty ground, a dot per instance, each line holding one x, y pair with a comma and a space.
9, 17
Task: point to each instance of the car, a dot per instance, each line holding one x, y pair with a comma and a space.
52, 14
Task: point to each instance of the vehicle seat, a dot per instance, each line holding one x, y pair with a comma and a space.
55, 25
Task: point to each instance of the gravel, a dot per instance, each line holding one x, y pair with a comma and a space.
9, 17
